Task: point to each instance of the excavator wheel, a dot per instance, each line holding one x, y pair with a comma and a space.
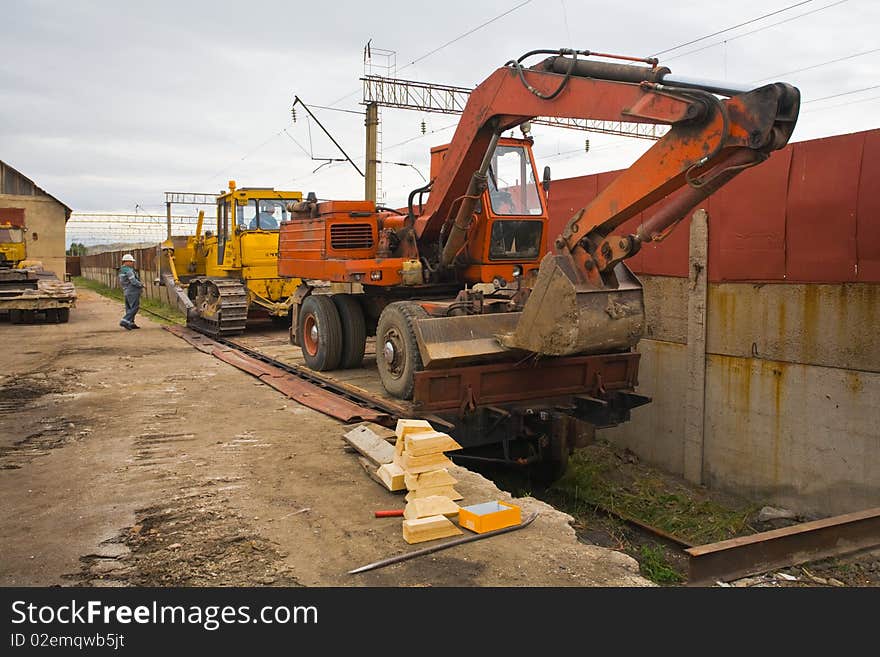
320, 333
397, 352
354, 330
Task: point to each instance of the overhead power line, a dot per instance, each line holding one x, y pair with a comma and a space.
842, 93
760, 29
733, 27
826, 63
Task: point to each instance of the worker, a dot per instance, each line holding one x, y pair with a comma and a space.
267, 218
131, 290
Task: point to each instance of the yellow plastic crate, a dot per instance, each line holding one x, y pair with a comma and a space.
489, 516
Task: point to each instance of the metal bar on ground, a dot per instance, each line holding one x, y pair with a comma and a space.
790, 546
442, 546
288, 383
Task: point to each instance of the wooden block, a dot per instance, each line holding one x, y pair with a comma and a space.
374, 448
445, 491
391, 475
406, 427
411, 426
428, 529
432, 478
419, 464
433, 505
429, 442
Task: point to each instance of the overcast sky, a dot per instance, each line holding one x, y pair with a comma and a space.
107, 105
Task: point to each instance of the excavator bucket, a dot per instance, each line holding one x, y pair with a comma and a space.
562, 317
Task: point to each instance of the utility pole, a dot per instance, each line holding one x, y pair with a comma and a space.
372, 124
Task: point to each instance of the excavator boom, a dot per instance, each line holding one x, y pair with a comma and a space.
584, 299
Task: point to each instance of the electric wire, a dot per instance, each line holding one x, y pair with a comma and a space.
814, 66
728, 29
760, 29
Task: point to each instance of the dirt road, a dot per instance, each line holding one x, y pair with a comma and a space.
130, 458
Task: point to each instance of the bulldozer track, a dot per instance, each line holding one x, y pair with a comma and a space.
223, 312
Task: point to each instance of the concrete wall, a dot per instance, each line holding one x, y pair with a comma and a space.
45, 222
792, 392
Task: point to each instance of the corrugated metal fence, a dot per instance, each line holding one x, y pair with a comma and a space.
104, 268
809, 214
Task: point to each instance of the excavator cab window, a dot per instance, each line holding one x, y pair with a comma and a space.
515, 240
512, 186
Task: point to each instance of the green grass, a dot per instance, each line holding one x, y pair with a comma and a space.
653, 565
147, 305
678, 510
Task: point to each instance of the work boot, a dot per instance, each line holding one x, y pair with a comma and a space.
134, 326
125, 325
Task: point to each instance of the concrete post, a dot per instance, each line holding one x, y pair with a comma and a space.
695, 402
372, 123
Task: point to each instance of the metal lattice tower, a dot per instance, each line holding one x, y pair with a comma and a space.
445, 99
383, 64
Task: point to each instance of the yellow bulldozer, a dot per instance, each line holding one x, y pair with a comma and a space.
221, 276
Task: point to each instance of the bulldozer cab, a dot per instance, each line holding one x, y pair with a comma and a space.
248, 220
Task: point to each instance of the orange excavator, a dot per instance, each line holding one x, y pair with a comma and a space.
478, 313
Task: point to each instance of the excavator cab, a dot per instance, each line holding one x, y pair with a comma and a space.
510, 229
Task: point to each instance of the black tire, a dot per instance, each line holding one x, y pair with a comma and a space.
398, 366
63, 315
321, 348
15, 317
354, 330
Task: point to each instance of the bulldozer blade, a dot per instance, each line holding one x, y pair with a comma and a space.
468, 339
563, 317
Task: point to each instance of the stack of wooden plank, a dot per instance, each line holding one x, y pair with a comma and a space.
419, 454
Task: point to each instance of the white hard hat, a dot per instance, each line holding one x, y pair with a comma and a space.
128, 257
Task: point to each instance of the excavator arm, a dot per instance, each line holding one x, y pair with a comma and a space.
711, 140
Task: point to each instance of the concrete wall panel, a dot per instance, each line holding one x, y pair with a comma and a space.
800, 436
656, 431
665, 307
830, 325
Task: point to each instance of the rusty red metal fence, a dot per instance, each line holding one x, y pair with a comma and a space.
808, 215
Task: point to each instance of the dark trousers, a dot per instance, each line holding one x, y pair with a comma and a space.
132, 304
